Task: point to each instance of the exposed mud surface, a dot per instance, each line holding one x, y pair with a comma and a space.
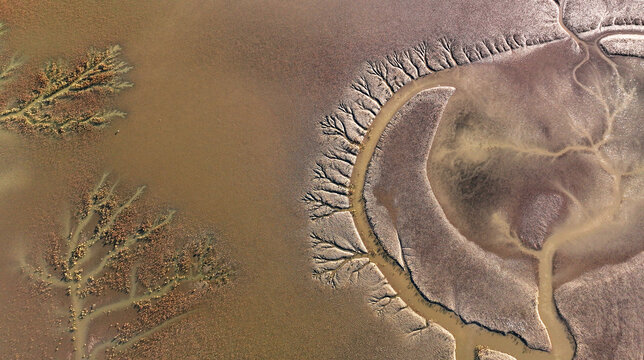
238, 111
110, 261
445, 266
61, 98
503, 188
487, 354
603, 310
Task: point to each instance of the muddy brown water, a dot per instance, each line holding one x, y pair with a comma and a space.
220, 125
471, 80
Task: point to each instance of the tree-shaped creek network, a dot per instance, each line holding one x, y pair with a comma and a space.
114, 260
62, 98
462, 198
117, 274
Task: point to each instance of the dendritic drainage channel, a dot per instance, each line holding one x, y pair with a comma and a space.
62, 98
123, 275
398, 247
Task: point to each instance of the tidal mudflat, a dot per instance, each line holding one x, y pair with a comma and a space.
110, 261
217, 128
215, 134
118, 273
493, 187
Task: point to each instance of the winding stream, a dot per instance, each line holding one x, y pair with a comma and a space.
468, 336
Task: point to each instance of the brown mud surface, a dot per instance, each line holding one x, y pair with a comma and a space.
222, 125
581, 175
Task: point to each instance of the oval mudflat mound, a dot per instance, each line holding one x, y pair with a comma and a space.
445, 266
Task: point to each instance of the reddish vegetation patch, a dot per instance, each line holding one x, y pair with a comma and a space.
61, 98
119, 262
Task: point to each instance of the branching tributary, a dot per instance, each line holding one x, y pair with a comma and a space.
468, 336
